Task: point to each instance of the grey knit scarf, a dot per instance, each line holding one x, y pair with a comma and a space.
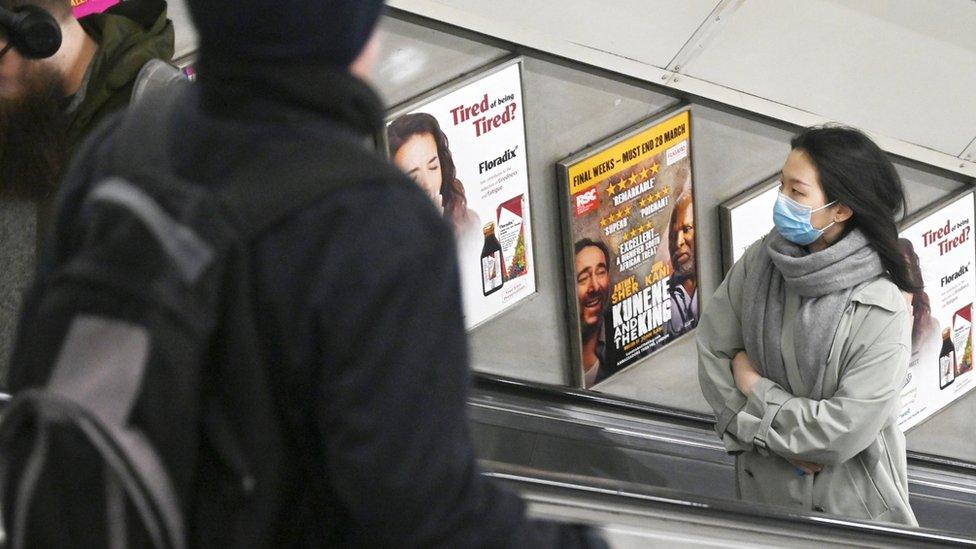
824, 281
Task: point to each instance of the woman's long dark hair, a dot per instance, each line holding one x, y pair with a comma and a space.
452, 191
921, 304
856, 172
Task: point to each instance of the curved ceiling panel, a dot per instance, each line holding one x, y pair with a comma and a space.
903, 69
649, 32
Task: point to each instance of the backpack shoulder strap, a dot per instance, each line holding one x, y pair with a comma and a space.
146, 127
154, 77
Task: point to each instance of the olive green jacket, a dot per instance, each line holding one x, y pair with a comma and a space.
124, 46
852, 431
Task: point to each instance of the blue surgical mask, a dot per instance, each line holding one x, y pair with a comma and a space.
792, 220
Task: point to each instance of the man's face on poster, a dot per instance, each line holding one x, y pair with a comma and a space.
682, 239
592, 286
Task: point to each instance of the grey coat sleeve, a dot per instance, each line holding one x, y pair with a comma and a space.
719, 338
835, 429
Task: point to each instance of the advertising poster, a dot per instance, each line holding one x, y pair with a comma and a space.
747, 218
629, 221
82, 8
939, 246
465, 147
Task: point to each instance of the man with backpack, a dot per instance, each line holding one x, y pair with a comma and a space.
247, 331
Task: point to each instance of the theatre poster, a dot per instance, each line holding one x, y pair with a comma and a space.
464, 146
939, 243
630, 256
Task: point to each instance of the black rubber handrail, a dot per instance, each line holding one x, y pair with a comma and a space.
614, 403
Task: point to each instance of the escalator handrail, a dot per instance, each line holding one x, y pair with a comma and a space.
658, 412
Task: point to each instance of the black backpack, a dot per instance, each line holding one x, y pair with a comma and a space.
146, 418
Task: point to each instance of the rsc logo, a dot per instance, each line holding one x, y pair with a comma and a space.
587, 201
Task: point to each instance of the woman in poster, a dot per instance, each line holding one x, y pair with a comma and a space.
926, 340
421, 150
804, 348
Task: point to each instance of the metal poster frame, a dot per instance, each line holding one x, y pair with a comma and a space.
914, 218
903, 226
455, 84
567, 215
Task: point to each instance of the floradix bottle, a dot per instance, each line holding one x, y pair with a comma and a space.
947, 360
492, 263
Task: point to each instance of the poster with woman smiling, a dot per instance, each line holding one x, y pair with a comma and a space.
464, 146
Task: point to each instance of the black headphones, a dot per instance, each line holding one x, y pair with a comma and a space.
32, 30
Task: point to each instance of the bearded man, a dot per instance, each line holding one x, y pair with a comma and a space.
683, 284
47, 106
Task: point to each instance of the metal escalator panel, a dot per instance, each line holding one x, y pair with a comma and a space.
631, 515
558, 436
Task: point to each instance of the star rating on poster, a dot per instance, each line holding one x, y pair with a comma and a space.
623, 184
636, 178
637, 231
654, 197
616, 216
610, 219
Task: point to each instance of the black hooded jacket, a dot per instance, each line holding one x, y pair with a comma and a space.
358, 305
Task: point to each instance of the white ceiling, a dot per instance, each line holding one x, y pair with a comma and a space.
901, 68
634, 29
905, 70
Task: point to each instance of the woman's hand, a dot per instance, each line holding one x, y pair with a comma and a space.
746, 377
744, 373
806, 467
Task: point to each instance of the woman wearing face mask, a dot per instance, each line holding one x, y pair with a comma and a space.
804, 348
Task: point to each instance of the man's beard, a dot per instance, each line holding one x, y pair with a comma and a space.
33, 138
589, 330
683, 271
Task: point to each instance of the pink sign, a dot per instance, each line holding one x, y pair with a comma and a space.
88, 7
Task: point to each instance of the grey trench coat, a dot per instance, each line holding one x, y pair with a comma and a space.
852, 431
